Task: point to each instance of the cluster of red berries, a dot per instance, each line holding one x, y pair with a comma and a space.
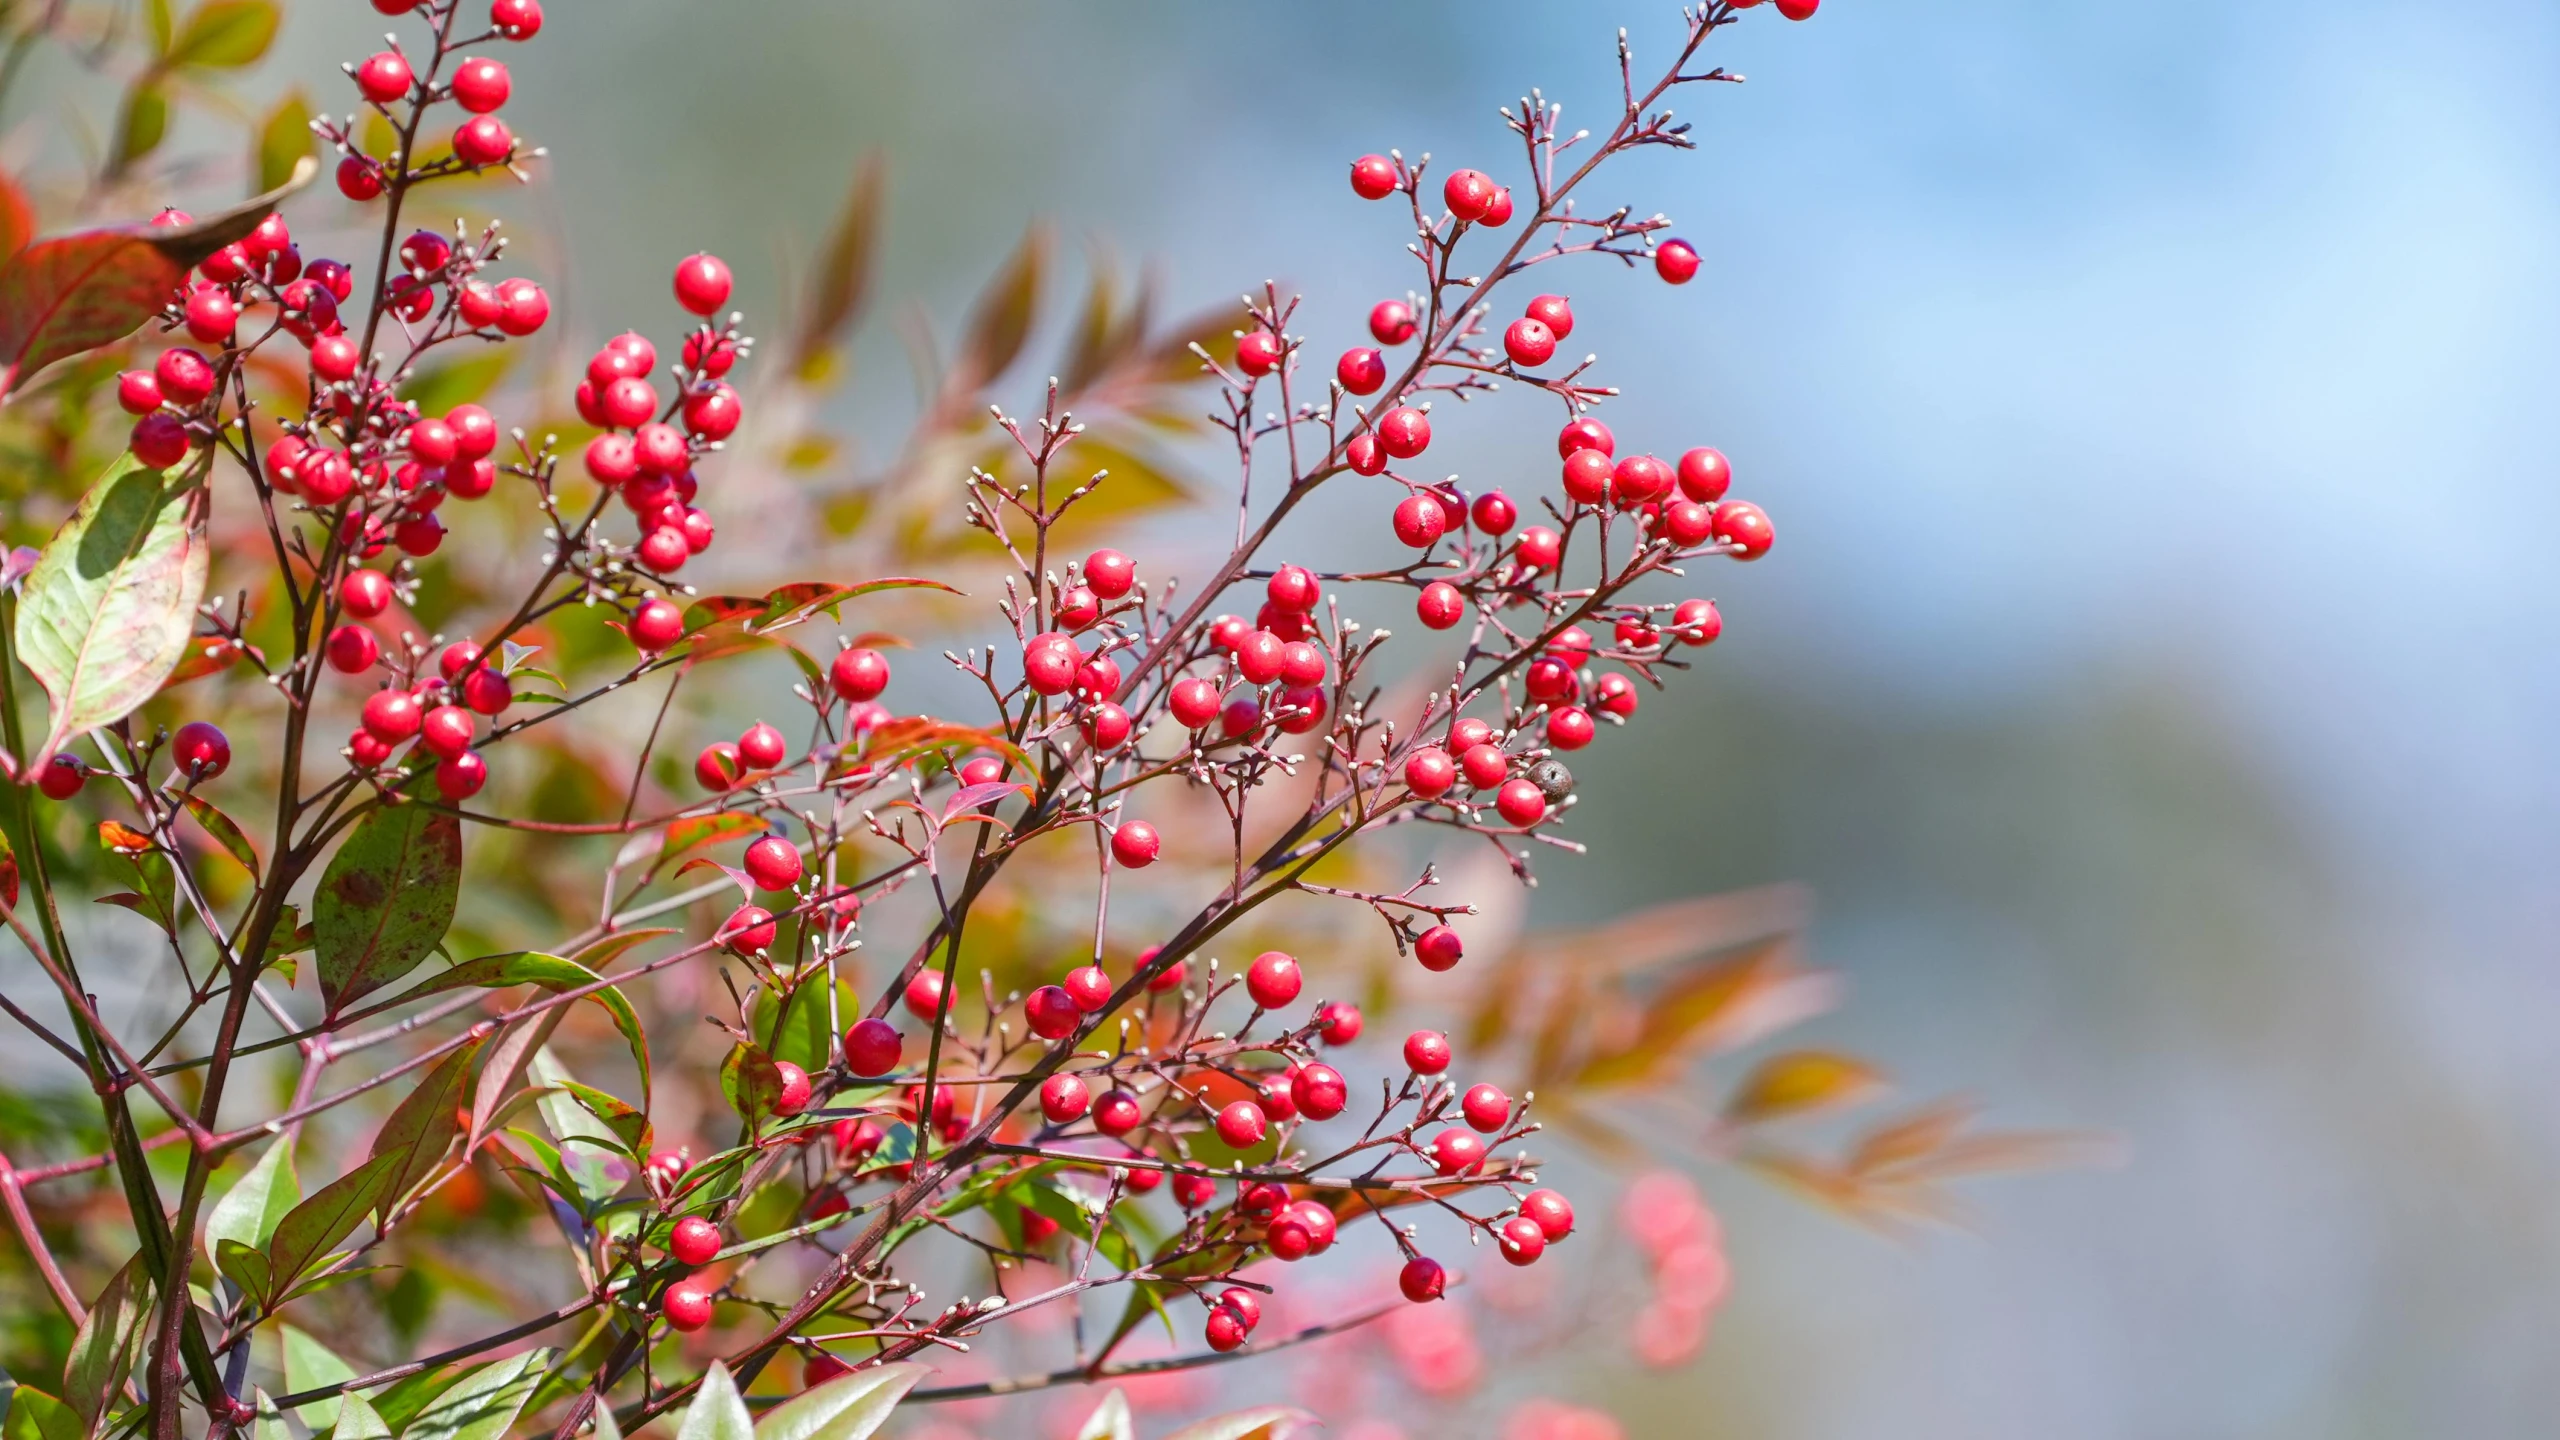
479, 85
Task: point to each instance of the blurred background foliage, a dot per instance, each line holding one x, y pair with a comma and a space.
2150, 686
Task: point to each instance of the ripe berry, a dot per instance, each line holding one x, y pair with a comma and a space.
773, 863
1242, 1125
693, 1241
1529, 342
1422, 1280
1273, 979
1616, 694
1522, 1241
1439, 948
791, 1094
1225, 1330
1430, 772
447, 730
762, 747
697, 528
702, 284
1487, 1109
523, 306
1440, 605
1675, 261
1688, 523
1586, 476
1246, 1304
383, 77
1261, 657
1705, 475
1550, 1212
1467, 732
748, 930
1741, 524
687, 1305
1135, 844
1391, 322
1585, 434
1361, 370
1051, 1012
184, 376
1338, 1022
1484, 765
159, 440
1258, 353
658, 448
1697, 622
200, 750
325, 477
420, 536
1553, 311
717, 769
211, 314
358, 179
516, 19
1404, 432
1365, 455
425, 251
1540, 548
1469, 193
627, 402
1419, 521
1050, 662
1117, 1113
1089, 986
480, 85
1426, 1052
1570, 728
1373, 177
1301, 663
859, 675
1109, 574
1521, 802
62, 777
1078, 607
364, 593
656, 625
1195, 702
710, 354
1319, 1091
483, 141
1456, 1152
1640, 479
1498, 212
1299, 710
1241, 717
335, 358
1317, 1219
391, 716
923, 996
138, 392
1798, 9
1064, 1099
1493, 513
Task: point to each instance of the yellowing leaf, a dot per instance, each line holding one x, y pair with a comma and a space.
1800, 1082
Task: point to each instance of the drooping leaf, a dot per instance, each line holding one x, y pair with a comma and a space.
34, 1415
311, 1228
283, 139
309, 1365
386, 899
552, 973
258, 1201
718, 1411
1267, 1422
848, 1407
102, 1354
226, 34
485, 1406
1800, 1082
843, 279
419, 1132
77, 292
106, 613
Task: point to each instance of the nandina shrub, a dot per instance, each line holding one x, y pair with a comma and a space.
426, 764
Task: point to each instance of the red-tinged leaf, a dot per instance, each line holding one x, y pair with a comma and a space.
103, 1353
1799, 1083
421, 1130
386, 899
970, 797
552, 973
1002, 320
700, 832
309, 1230
750, 1081
224, 831
77, 292
17, 217
108, 611
1909, 1137
905, 739
705, 862
123, 839
207, 655
8, 873
712, 609
602, 953
843, 273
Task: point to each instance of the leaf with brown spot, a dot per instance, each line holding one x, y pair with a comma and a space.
387, 897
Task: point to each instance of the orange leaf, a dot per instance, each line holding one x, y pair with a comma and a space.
1800, 1082
122, 838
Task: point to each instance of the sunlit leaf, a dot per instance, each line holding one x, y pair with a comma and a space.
439, 388
258, 1201
848, 1407
34, 1415
1799, 1082
284, 137
552, 973
309, 1365
224, 830
226, 34
485, 1406
718, 1412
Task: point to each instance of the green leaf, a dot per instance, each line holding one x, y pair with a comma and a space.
627, 1124
357, 1419
587, 1144
226, 34
224, 831
163, 28
718, 1412
103, 1352
107, 610
848, 1407
795, 1027
386, 900
144, 122
311, 1228
308, 1365
419, 1132
247, 1268
283, 139
1262, 1423
485, 1406
257, 1202
439, 388
750, 1082
34, 1415
552, 973
404, 1400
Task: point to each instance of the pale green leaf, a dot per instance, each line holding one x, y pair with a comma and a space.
485, 1406
848, 1407
257, 1202
308, 1365
717, 1412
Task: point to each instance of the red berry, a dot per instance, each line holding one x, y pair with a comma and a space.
1261, 657
1051, 1012
1740, 524
1467, 732
211, 314
200, 750
1365, 455
1373, 177
1135, 844
358, 179
1616, 694
1302, 664
420, 536
1521, 802
1469, 193
516, 19
1522, 1241
1319, 1091
1798, 9
1426, 1052
1456, 1152
749, 929
1117, 1113
1193, 1191
697, 528
1484, 765
1697, 622
1498, 211
859, 675
62, 777
1288, 1239
325, 477
710, 354
1586, 476
791, 1094
1106, 726
656, 625
1064, 1099
762, 747
1585, 434
717, 768
1419, 521
1493, 513
391, 716
1294, 587
1241, 1125
1241, 717
1487, 1109
1422, 1280
702, 284
447, 730
1540, 548
1439, 948
1570, 728
1405, 432
365, 593
480, 85
1109, 574
1640, 479
523, 306
1688, 523
1361, 370
658, 448
687, 1305
628, 401
335, 358
1225, 1330
1430, 772
1391, 322
1339, 1022
923, 996
1675, 261
383, 77
1078, 607
1441, 605
425, 251
1246, 1304
159, 440
1553, 311
1195, 702
1050, 662
1273, 979
773, 863
483, 141
138, 392
1529, 342
693, 1241
1705, 475
1258, 353
1550, 1212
